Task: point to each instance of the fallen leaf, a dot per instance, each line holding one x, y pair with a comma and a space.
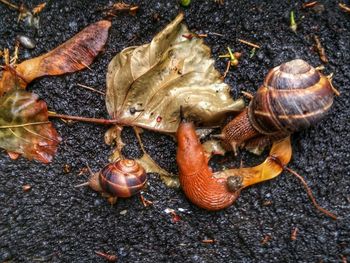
24, 126
75, 54
146, 85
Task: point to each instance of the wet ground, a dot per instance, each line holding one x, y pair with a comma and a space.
54, 222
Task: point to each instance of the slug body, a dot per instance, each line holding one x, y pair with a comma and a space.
196, 177
123, 178
293, 96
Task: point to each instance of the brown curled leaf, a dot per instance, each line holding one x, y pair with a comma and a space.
75, 54
25, 128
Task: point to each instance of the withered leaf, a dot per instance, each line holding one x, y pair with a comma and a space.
24, 126
146, 85
75, 54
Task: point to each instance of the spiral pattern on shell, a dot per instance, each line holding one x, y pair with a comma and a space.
123, 178
294, 96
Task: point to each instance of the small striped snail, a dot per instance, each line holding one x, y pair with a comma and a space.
123, 178
294, 96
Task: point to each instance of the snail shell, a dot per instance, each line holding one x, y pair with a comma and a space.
294, 96
123, 178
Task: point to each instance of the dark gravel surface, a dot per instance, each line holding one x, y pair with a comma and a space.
54, 222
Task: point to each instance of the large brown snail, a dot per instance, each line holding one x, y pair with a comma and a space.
294, 96
123, 178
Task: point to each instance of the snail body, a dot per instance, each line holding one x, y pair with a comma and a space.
293, 97
196, 177
123, 178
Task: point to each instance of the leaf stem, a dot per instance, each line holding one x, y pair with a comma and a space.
84, 119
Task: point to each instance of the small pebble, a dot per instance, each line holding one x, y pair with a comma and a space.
26, 187
26, 42
123, 212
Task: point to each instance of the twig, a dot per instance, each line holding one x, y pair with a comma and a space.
320, 50
227, 69
309, 4
208, 241
145, 201
248, 95
344, 7
10, 4
201, 35
108, 257
294, 233
133, 10
121, 7
215, 34
248, 43
90, 88
308, 191
13, 60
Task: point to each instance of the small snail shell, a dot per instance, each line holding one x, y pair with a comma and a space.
293, 96
123, 178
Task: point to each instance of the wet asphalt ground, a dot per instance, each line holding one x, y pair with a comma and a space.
54, 222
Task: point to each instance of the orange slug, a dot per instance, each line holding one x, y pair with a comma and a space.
216, 191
